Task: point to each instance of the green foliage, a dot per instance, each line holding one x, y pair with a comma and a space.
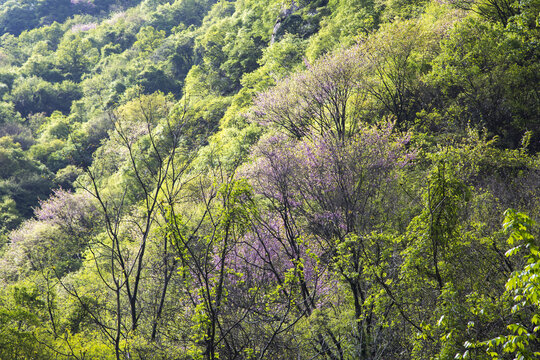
523, 290
9, 217
8, 113
148, 40
479, 69
347, 20
179, 241
34, 95
22, 179
75, 56
21, 314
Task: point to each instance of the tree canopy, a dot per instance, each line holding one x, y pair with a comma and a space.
237, 179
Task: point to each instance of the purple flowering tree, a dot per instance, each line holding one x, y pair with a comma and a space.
324, 197
378, 77
56, 238
284, 273
324, 99
214, 299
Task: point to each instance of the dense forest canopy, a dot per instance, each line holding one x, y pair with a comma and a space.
305, 179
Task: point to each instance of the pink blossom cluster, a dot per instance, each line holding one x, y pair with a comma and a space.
83, 27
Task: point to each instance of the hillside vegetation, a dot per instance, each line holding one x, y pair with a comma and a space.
324, 179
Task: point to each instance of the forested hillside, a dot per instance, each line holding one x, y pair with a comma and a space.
305, 179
